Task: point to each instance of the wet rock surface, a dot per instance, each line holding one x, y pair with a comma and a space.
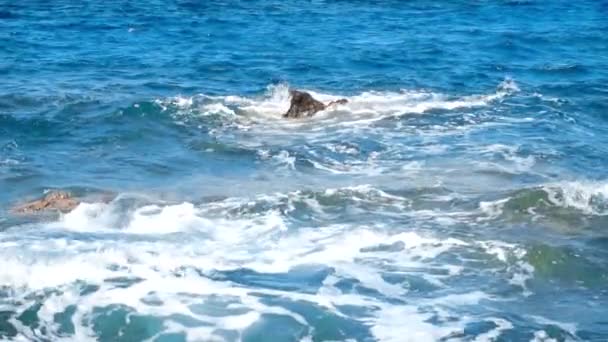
62, 201
304, 105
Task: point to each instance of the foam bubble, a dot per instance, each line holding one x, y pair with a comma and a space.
509, 158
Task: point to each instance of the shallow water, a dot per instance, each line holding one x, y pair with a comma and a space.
460, 195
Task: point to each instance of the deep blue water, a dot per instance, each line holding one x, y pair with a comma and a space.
460, 195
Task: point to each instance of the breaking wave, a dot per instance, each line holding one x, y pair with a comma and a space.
572, 200
224, 269
362, 108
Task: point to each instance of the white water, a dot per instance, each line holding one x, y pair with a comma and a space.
176, 254
324, 249
588, 197
360, 109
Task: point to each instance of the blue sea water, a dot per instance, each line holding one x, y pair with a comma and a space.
460, 195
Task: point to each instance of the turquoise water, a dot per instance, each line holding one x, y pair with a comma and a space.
460, 195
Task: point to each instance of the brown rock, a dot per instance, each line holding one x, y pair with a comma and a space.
337, 102
303, 105
56, 200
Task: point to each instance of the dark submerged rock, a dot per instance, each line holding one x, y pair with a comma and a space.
304, 105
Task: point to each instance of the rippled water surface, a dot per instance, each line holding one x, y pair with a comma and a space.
460, 195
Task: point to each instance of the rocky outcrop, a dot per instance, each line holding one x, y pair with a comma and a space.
304, 105
61, 201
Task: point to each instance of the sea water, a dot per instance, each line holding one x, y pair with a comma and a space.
460, 195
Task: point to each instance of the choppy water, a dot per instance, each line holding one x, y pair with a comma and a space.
460, 195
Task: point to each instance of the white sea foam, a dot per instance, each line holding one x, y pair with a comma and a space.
509, 153
586, 196
492, 209
361, 109
542, 336
256, 122
217, 108
179, 101
407, 324
285, 159
168, 259
492, 335
9, 162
